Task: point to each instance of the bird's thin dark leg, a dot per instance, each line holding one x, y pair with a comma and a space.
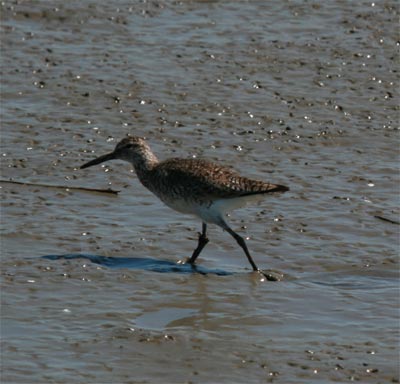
203, 240
243, 245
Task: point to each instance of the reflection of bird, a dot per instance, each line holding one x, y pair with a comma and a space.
198, 187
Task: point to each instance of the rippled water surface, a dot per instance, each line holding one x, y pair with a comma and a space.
298, 93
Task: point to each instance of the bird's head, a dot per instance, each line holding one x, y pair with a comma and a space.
132, 149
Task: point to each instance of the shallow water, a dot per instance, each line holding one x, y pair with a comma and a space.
300, 94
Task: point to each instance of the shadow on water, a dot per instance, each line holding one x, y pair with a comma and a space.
146, 264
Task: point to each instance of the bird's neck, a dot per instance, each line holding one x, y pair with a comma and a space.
144, 161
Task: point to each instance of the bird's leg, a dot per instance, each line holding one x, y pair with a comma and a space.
203, 240
242, 243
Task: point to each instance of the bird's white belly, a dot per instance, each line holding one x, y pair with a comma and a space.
182, 206
211, 212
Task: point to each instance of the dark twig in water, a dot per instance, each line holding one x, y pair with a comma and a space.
109, 190
388, 220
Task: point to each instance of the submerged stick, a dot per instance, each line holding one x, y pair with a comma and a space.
388, 220
109, 190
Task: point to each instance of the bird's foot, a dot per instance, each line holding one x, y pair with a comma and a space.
270, 275
187, 260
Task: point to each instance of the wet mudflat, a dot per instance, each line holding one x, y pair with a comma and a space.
300, 94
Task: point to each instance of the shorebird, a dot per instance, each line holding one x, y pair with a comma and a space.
193, 186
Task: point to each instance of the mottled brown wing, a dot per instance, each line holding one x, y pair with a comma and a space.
204, 179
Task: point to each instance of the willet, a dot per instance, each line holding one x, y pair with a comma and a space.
193, 186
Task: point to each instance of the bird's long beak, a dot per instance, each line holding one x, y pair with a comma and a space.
98, 160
